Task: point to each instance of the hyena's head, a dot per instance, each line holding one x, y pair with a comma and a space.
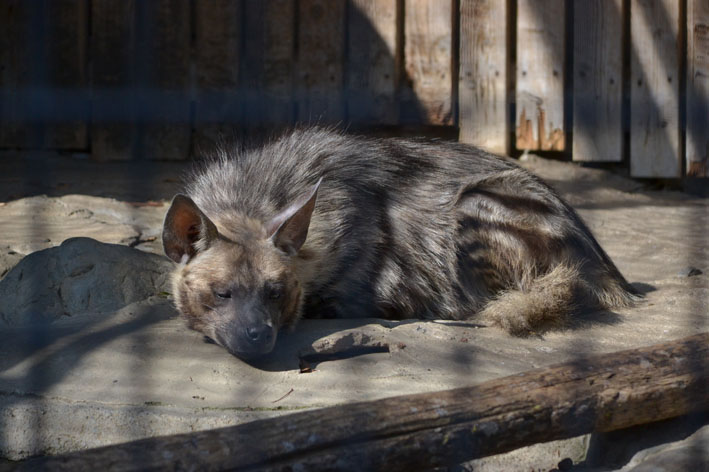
237, 284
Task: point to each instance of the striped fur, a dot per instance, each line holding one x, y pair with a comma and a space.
400, 229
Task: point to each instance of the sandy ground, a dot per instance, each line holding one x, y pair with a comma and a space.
91, 380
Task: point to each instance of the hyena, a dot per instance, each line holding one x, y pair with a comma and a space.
320, 224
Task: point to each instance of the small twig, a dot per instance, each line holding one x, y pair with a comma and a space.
284, 396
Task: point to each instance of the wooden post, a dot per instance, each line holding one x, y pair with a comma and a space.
698, 88
321, 46
67, 28
654, 89
217, 47
373, 62
268, 62
14, 73
598, 77
540, 75
482, 89
164, 74
423, 431
429, 62
112, 49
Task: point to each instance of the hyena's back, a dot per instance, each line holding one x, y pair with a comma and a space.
406, 229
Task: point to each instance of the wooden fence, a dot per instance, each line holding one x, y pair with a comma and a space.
600, 80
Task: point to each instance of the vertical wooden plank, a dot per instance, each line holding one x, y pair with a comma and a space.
269, 60
598, 73
321, 45
164, 71
428, 59
540, 75
67, 28
372, 62
698, 88
217, 52
112, 50
482, 90
14, 74
654, 88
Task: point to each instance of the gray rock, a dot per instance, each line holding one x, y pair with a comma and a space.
78, 277
689, 454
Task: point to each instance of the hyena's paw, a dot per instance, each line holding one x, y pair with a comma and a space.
546, 303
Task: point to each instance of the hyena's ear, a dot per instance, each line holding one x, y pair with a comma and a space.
185, 225
289, 228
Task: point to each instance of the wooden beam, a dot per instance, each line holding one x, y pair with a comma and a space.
598, 77
14, 73
416, 432
697, 88
217, 51
321, 48
540, 75
112, 49
68, 78
372, 62
654, 88
482, 89
268, 63
164, 73
429, 62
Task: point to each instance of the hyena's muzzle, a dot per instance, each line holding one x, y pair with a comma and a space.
245, 328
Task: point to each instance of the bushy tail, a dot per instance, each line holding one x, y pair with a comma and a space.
549, 300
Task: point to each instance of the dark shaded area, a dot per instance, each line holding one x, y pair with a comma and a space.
616, 448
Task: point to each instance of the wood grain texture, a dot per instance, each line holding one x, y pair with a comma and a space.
15, 123
217, 52
269, 62
423, 431
482, 89
429, 62
112, 49
698, 88
67, 25
372, 62
320, 72
654, 89
540, 75
597, 84
164, 75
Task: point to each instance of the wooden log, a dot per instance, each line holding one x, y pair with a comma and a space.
112, 49
416, 432
217, 48
540, 75
321, 47
373, 62
482, 83
429, 62
268, 63
697, 88
598, 77
654, 89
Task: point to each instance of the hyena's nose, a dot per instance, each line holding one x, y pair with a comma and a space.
259, 334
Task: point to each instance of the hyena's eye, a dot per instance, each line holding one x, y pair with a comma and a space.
274, 291
223, 294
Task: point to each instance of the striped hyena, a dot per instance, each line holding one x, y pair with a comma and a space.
317, 223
